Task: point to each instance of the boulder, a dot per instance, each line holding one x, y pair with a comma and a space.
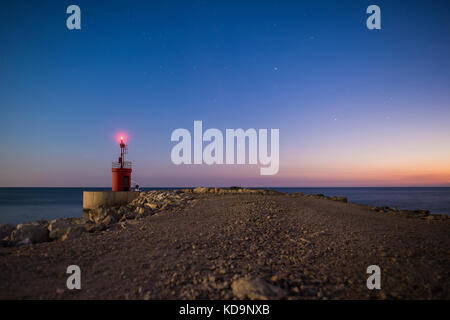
256, 289
5, 230
166, 206
57, 233
184, 191
108, 220
201, 190
74, 232
140, 210
341, 199
152, 205
24, 242
96, 227
122, 210
35, 231
101, 212
59, 227
128, 216
144, 211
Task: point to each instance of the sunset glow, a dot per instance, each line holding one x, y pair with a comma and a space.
367, 109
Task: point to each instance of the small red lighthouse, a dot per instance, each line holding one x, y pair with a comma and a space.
121, 170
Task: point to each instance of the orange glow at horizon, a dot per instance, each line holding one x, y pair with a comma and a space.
414, 174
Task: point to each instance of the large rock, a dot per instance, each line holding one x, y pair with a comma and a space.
101, 212
341, 199
108, 220
152, 205
59, 227
5, 230
24, 242
74, 232
201, 190
256, 289
96, 227
35, 231
123, 210
140, 210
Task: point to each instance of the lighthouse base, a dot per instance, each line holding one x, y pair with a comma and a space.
92, 199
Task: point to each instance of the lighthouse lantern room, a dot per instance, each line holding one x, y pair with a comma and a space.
121, 170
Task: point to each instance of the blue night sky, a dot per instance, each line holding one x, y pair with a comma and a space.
355, 107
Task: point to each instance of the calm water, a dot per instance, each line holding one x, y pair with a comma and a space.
30, 204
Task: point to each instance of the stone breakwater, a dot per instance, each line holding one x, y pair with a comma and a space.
419, 213
104, 217
147, 204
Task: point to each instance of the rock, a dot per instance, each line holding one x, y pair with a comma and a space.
109, 220
165, 206
5, 230
35, 231
256, 289
201, 190
57, 233
124, 210
101, 212
24, 242
129, 216
59, 227
298, 194
147, 212
152, 205
96, 227
143, 211
140, 210
74, 232
341, 199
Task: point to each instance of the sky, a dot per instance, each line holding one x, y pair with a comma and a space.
355, 107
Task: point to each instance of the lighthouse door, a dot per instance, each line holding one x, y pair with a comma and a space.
126, 183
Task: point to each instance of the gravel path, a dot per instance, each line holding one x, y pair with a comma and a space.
311, 248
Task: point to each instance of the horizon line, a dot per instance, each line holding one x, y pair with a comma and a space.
250, 187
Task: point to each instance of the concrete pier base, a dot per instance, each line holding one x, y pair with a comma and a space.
92, 199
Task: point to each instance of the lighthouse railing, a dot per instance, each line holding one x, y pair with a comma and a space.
126, 164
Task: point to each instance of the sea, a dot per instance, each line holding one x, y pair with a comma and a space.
19, 205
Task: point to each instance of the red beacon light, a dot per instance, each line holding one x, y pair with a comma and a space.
121, 170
